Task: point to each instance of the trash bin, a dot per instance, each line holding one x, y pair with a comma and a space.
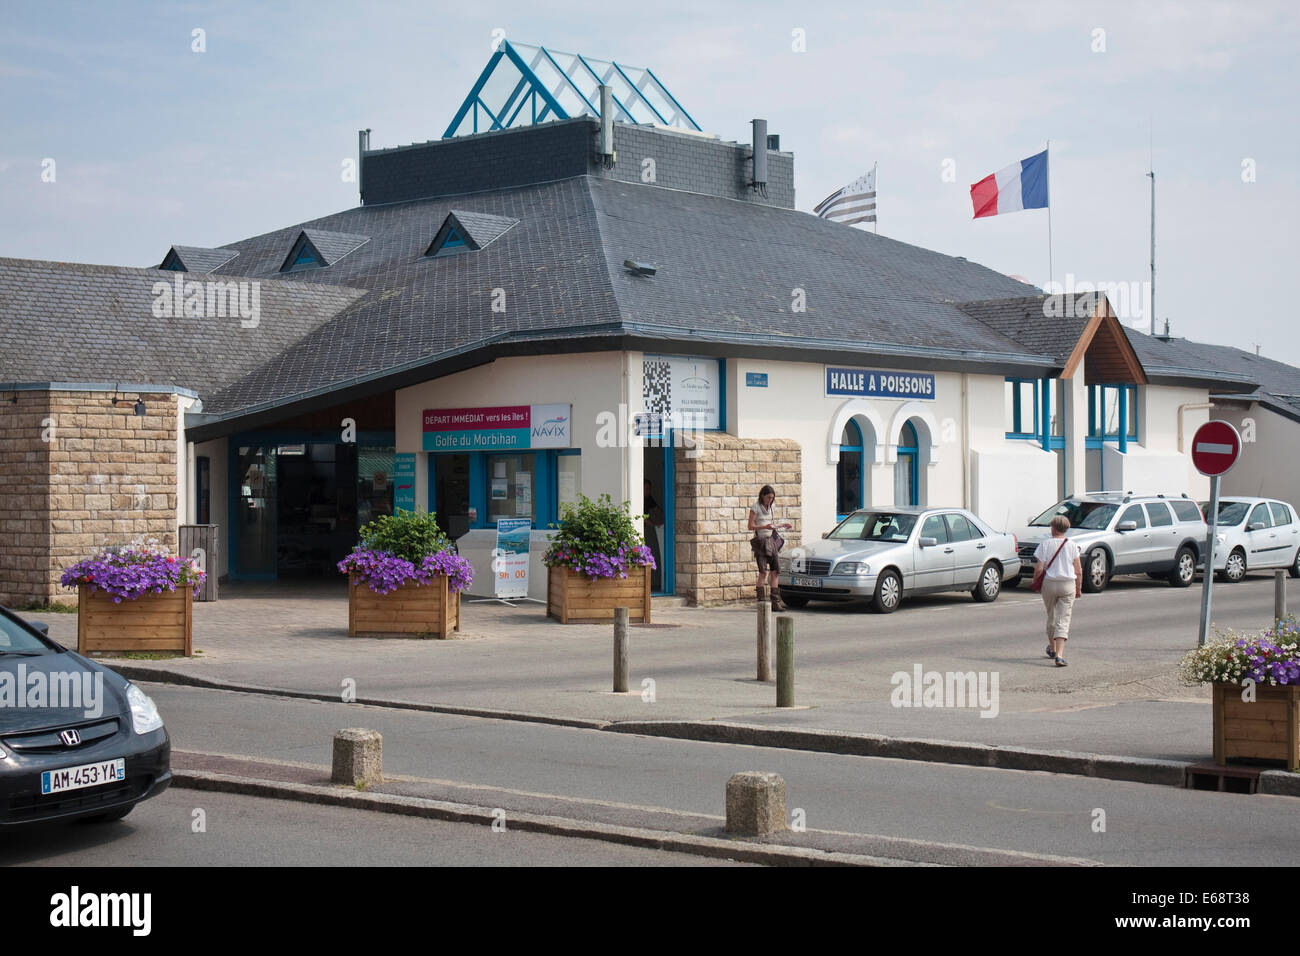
202, 538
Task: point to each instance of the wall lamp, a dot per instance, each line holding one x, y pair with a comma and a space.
138, 408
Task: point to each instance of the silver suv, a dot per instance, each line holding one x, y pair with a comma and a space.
1123, 533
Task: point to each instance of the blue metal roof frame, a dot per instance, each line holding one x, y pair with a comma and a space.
557, 86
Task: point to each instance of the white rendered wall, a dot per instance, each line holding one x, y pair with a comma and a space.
592, 382
215, 452
1012, 483
1269, 466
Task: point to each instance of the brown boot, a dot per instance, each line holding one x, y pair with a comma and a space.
776, 600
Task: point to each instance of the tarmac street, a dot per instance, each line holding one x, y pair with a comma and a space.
647, 781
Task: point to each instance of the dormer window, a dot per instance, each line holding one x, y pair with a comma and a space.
302, 256
467, 232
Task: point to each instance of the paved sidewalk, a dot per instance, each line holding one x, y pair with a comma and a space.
697, 664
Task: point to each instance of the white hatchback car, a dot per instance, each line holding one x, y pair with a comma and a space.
1252, 534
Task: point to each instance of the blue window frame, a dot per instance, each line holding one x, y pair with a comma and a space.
849, 473
909, 448
1021, 407
1108, 407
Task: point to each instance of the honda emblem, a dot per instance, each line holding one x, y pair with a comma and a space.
70, 738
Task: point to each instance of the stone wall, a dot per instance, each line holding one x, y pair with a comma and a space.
24, 497
77, 473
717, 481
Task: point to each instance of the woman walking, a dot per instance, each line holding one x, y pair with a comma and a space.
766, 550
1057, 565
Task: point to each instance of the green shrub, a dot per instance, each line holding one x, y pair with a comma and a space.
411, 535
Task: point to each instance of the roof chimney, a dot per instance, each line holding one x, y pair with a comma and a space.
607, 154
759, 183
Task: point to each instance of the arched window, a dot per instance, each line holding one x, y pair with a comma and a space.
849, 474
907, 477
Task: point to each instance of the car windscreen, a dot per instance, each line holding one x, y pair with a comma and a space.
875, 526
15, 639
1093, 515
1231, 513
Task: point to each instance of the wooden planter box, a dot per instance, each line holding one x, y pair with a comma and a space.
573, 598
413, 610
1268, 729
152, 622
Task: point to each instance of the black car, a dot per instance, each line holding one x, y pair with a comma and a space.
76, 739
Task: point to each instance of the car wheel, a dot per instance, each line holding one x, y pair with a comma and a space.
1234, 569
1096, 571
111, 815
1294, 570
1184, 569
794, 600
889, 591
990, 583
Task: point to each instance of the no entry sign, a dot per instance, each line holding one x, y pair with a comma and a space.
1215, 448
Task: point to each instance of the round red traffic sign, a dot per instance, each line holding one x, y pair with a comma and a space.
1215, 448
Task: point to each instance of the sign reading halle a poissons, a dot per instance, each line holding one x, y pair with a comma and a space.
497, 427
875, 383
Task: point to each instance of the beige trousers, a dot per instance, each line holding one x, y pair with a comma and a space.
1058, 596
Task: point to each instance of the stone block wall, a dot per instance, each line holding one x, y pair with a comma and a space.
717, 481
78, 473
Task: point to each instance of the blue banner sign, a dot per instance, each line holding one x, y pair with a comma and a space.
875, 383
510, 558
403, 482
756, 379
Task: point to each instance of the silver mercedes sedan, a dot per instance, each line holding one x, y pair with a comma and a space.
881, 554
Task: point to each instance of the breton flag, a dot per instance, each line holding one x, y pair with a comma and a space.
1022, 186
856, 202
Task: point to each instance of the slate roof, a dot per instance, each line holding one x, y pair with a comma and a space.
1051, 325
333, 246
482, 229
729, 274
1246, 375
731, 277
68, 322
199, 259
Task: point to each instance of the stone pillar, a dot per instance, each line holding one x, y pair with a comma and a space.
358, 757
755, 803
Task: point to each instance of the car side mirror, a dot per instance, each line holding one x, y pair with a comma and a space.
40, 626
826, 534
1126, 526
929, 542
1256, 526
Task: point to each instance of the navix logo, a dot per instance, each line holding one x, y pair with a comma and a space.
950, 689
554, 427
211, 299
64, 690
75, 909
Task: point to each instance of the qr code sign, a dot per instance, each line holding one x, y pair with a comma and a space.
657, 387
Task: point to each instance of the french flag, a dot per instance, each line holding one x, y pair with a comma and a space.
1022, 186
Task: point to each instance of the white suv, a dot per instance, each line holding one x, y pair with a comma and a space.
1122, 533
1254, 533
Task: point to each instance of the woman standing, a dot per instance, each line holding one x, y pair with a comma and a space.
1056, 561
763, 523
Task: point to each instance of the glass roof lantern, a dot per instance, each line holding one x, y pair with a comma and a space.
522, 85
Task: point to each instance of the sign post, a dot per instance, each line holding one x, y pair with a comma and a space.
1215, 449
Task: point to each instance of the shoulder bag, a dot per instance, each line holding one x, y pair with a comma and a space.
1041, 574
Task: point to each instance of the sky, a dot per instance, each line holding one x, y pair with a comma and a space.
121, 137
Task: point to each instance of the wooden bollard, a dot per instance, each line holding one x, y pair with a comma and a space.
620, 650
764, 634
1279, 596
784, 661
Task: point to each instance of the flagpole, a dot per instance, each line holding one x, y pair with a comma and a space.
1049, 211
875, 223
